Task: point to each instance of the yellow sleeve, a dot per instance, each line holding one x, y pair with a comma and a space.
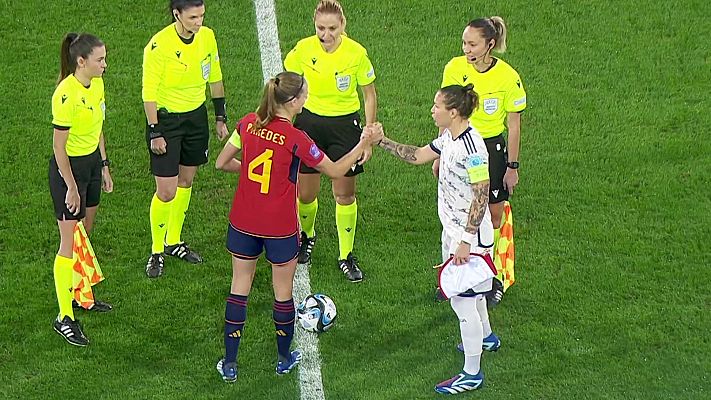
515, 98
61, 108
448, 76
215, 70
235, 139
366, 72
152, 70
291, 62
102, 101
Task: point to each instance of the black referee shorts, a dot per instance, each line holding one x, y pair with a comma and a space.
336, 136
498, 157
187, 136
87, 175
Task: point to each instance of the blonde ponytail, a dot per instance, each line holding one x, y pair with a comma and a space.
500, 36
492, 28
283, 88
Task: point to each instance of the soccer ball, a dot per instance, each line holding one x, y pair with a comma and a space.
316, 313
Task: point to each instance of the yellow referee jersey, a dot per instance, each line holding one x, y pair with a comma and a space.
333, 78
500, 92
82, 110
175, 72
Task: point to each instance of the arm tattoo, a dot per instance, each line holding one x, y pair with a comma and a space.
480, 201
403, 151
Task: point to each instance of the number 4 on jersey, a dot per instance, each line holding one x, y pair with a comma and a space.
264, 159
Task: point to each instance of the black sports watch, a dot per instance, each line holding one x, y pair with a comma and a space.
512, 165
105, 163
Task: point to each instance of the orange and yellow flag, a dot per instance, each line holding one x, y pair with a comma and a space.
504, 250
87, 272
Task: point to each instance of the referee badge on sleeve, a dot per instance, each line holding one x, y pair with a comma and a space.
343, 82
205, 64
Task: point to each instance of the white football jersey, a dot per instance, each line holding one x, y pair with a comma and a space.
461, 160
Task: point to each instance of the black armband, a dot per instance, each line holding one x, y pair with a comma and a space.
153, 132
220, 108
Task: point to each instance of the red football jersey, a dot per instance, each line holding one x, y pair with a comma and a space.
265, 200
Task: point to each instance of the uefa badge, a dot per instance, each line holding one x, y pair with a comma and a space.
475, 160
343, 82
491, 105
206, 69
314, 151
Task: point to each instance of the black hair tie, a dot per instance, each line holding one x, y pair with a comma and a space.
276, 81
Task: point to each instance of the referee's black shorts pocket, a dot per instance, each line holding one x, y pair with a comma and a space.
84, 170
336, 136
496, 146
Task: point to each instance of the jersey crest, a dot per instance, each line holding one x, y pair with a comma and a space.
491, 105
343, 82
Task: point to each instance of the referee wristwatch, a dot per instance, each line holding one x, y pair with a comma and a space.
512, 165
105, 163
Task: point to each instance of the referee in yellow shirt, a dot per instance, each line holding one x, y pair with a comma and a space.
79, 168
177, 64
502, 100
334, 67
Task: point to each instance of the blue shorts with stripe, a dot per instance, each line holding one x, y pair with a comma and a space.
245, 246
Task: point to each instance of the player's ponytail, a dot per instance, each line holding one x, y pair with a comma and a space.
283, 88
66, 65
461, 98
267, 107
492, 28
74, 46
471, 101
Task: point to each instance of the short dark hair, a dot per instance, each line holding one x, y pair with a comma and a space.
181, 5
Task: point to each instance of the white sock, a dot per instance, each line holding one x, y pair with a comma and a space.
483, 314
471, 331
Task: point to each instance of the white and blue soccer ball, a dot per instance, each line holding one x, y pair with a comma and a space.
316, 313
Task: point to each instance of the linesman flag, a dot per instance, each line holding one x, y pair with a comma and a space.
87, 272
504, 250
